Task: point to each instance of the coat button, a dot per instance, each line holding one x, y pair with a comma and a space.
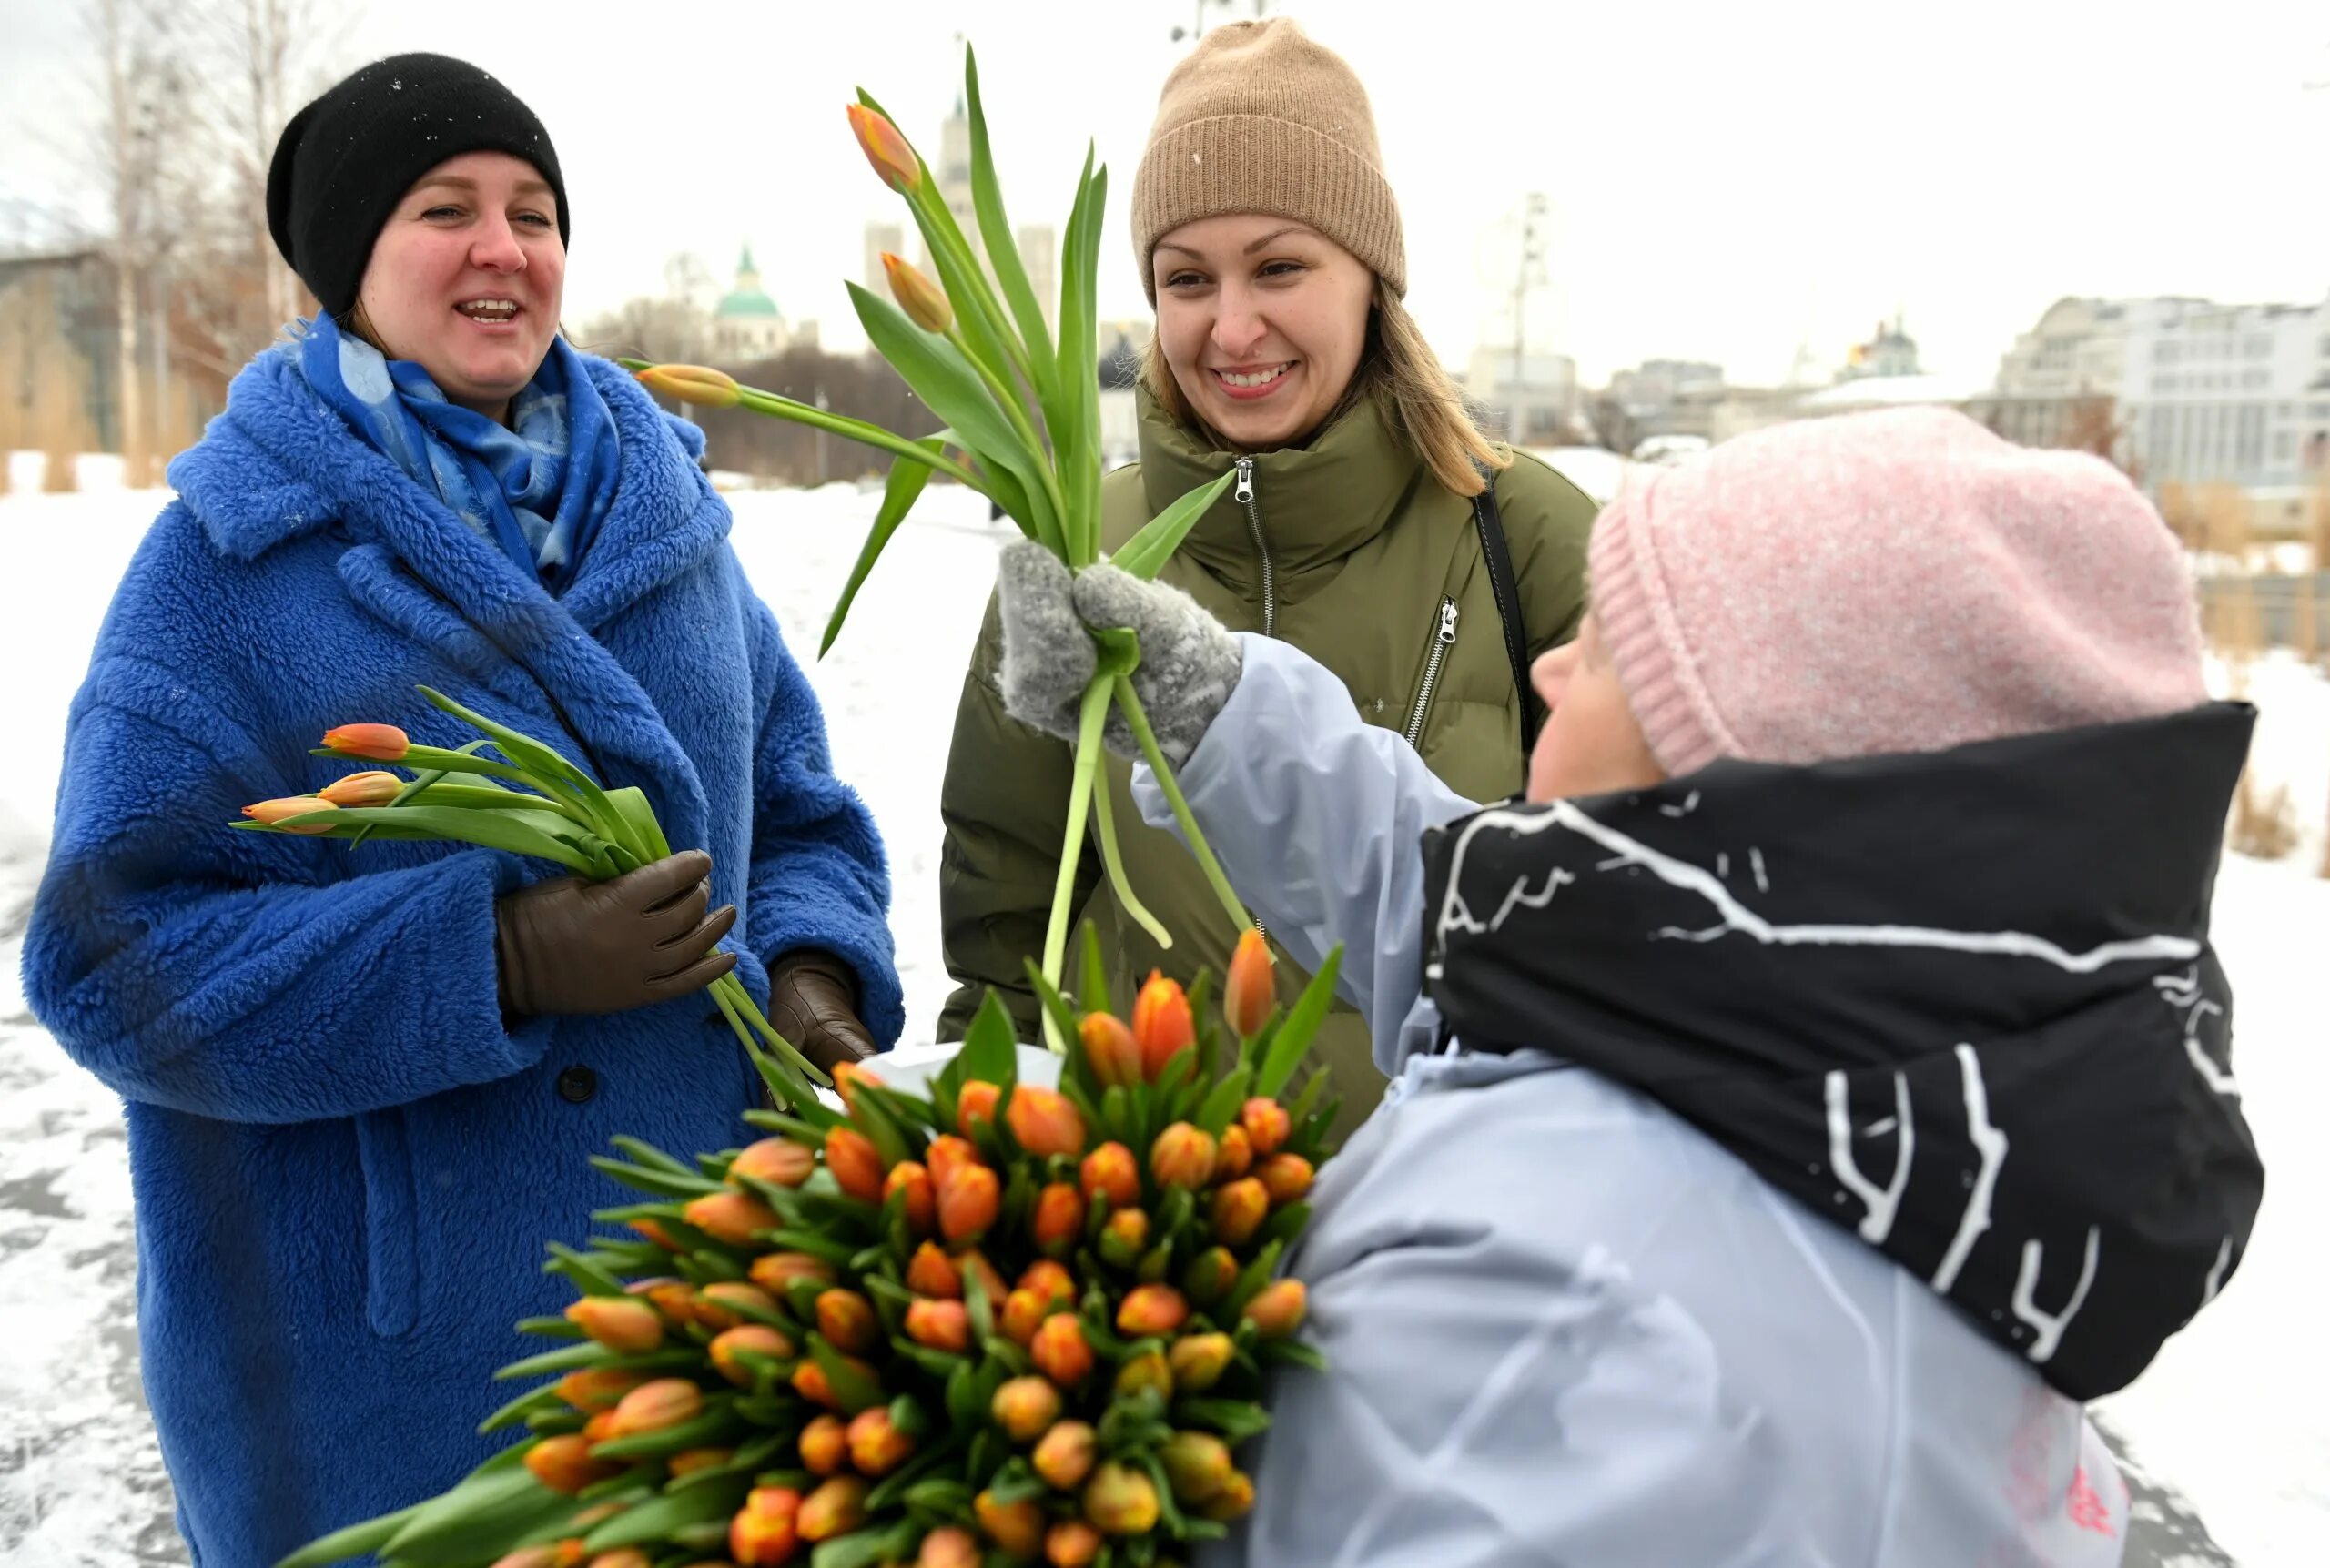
576, 1085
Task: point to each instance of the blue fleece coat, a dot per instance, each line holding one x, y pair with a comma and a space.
345, 1160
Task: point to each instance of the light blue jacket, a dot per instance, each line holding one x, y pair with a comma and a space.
1564, 1327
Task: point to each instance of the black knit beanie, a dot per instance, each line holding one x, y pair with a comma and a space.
346, 159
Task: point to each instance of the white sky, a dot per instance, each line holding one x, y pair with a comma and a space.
1725, 179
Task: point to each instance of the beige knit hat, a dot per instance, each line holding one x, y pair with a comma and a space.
1259, 118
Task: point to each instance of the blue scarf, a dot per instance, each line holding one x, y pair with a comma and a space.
539, 488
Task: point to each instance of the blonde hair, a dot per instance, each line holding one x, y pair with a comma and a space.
1421, 401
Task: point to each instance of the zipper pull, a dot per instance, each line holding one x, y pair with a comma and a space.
1448, 621
1245, 492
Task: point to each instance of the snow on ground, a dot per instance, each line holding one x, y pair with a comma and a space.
2235, 1416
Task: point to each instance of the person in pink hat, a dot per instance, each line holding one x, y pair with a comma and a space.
1814, 1089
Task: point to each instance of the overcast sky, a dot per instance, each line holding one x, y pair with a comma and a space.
1725, 180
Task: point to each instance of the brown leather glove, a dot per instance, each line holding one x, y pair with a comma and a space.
812, 1002
568, 946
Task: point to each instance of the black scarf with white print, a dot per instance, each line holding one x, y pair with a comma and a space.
1961, 1004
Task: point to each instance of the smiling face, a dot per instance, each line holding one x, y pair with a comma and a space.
1591, 743
1262, 322
466, 278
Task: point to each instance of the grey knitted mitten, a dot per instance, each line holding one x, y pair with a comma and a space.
1189, 663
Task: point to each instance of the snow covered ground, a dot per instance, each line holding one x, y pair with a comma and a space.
2235, 1416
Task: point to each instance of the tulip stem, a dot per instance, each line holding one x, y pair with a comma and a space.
1137, 720
734, 1000
1104, 815
859, 430
1089, 716
1009, 396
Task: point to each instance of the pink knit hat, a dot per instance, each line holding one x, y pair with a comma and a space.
1894, 581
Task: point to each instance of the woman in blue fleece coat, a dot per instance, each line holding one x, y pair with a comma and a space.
363, 1083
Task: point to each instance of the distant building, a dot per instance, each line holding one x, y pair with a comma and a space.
880, 238
1889, 352
1531, 398
2234, 394
2058, 370
746, 324
1039, 243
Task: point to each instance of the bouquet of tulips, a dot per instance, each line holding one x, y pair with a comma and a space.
1023, 429
984, 1323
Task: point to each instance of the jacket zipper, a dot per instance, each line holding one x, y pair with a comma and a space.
1442, 640
1245, 496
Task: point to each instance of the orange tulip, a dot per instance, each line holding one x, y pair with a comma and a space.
1151, 1311
363, 789
1121, 1501
276, 813
731, 1346
1064, 1457
1182, 1155
1285, 1177
848, 1320
824, 1446
1071, 1544
1266, 1124
1197, 1463
975, 1265
601, 1428
779, 1161
925, 303
968, 1202
948, 1546
1110, 1168
1249, 991
1161, 1024
976, 1102
810, 1383
1023, 1313
922, 1195
1060, 1350
1110, 1047
946, 1155
1239, 1210
1025, 1407
775, 1272
1277, 1309
1233, 1501
624, 1324
724, 1303
1149, 1370
655, 1233
847, 1075
368, 743
762, 1534
1016, 1527
855, 1163
876, 1446
930, 1272
1198, 1361
564, 1464
1124, 1238
689, 1460
892, 155
939, 1325
676, 1299
1059, 1218
597, 1389
731, 1217
1045, 1123
1050, 1281
653, 1406
1234, 1156
1209, 1277
698, 384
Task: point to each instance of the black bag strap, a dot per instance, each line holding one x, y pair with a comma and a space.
1494, 550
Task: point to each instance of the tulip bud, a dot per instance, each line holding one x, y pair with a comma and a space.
948, 1546
363, 789
1247, 993
1209, 1277
1197, 1464
724, 1304
1236, 1155
652, 1407
1045, 1122
809, 1380
1147, 1370
930, 1272
824, 1446
1198, 1361
676, 1299
729, 1348
1064, 1457
1182, 1155
624, 1324
1026, 1407
1285, 1177
1151, 1311
876, 1446
847, 1075
731, 1217
892, 155
1016, 1527
1071, 1544
779, 1161
976, 1102
762, 1534
1051, 1280
1233, 1501
1276, 1309
856, 1165
597, 1389
1059, 1350
1124, 1238
968, 1202
1024, 1311
689, 1460
1058, 1219
655, 1233
1121, 1501
775, 1272
1266, 1125
1110, 1050
1109, 1169
1161, 1024
922, 1196
564, 1464
939, 1325
601, 1428
276, 813
975, 1265
925, 303
847, 1318
1239, 1210
698, 384
368, 743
